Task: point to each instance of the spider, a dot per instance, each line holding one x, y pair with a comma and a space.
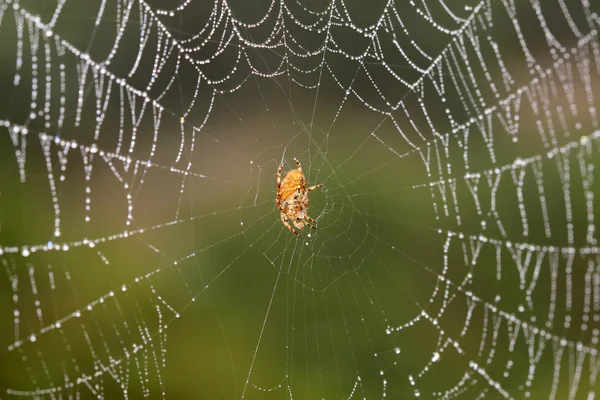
292, 199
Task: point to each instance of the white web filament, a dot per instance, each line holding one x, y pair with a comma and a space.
456, 254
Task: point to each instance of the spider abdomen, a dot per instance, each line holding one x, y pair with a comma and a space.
292, 199
292, 183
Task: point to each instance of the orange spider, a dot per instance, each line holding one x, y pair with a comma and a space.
292, 198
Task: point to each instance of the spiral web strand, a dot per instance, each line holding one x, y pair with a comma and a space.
456, 254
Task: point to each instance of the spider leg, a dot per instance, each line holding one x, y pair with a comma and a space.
278, 200
310, 189
298, 164
308, 224
279, 176
310, 219
287, 225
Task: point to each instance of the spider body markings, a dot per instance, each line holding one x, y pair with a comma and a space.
292, 199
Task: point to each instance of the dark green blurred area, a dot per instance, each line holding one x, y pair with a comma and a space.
429, 275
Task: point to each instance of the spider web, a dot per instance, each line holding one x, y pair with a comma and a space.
456, 253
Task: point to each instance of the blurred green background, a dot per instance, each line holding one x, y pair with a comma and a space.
455, 254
